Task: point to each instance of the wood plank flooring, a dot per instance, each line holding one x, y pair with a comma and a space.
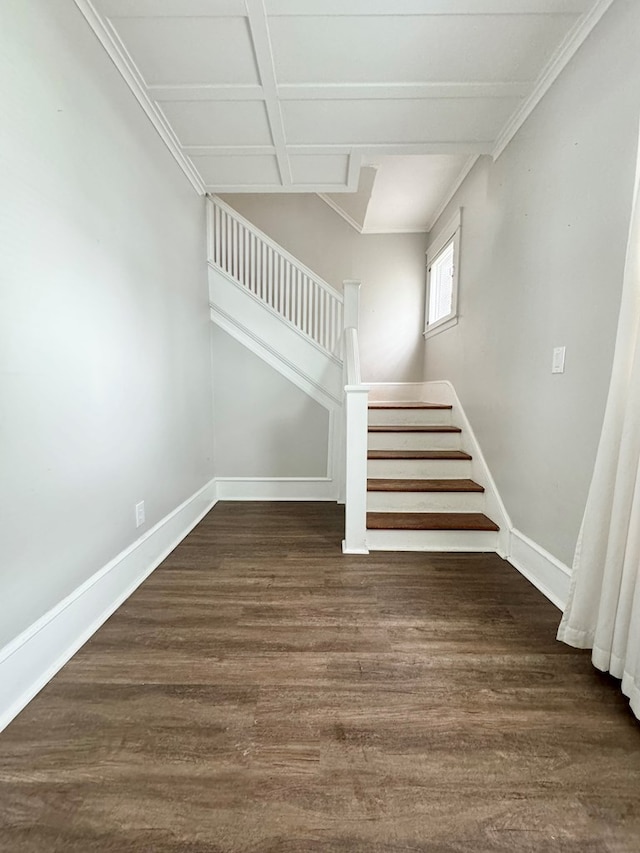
262, 693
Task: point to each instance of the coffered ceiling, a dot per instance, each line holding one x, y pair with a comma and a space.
293, 95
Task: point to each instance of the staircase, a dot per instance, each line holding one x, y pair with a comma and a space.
420, 495
403, 468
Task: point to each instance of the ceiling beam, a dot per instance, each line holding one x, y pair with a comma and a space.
267, 73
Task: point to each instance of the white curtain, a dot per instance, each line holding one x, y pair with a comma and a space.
603, 612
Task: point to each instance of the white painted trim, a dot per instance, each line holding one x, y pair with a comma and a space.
336, 207
542, 569
443, 391
353, 170
258, 347
453, 189
450, 232
558, 62
462, 541
441, 326
31, 660
134, 80
276, 489
263, 52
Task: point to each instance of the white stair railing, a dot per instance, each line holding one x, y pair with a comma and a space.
356, 407
275, 277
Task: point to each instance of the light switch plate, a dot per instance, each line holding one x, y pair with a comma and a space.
557, 364
140, 514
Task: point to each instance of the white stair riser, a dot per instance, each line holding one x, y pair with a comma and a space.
414, 441
425, 501
421, 417
418, 469
432, 540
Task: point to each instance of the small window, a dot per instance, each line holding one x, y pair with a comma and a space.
442, 279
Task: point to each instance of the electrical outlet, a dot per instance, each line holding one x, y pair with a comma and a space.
140, 514
557, 363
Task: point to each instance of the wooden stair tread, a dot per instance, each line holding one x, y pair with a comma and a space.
413, 428
429, 521
402, 404
417, 454
457, 485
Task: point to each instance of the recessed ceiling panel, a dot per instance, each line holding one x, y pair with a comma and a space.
323, 169
415, 49
232, 170
407, 121
218, 122
189, 50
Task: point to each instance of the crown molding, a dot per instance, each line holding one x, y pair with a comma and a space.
133, 79
576, 37
349, 219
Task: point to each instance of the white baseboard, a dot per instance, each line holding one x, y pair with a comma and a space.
276, 489
31, 660
540, 567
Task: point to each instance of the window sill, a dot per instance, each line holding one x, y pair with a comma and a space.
440, 326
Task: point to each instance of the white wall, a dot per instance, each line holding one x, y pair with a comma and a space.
542, 252
104, 322
264, 426
391, 268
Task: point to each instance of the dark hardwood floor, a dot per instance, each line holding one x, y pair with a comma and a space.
261, 693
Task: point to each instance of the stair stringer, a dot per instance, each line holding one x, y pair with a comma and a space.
280, 345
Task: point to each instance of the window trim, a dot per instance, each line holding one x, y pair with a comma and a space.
451, 231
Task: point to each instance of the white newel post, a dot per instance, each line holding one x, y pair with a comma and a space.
356, 403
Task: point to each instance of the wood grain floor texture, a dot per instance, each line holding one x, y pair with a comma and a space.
262, 693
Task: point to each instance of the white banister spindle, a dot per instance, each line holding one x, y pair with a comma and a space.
268, 271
